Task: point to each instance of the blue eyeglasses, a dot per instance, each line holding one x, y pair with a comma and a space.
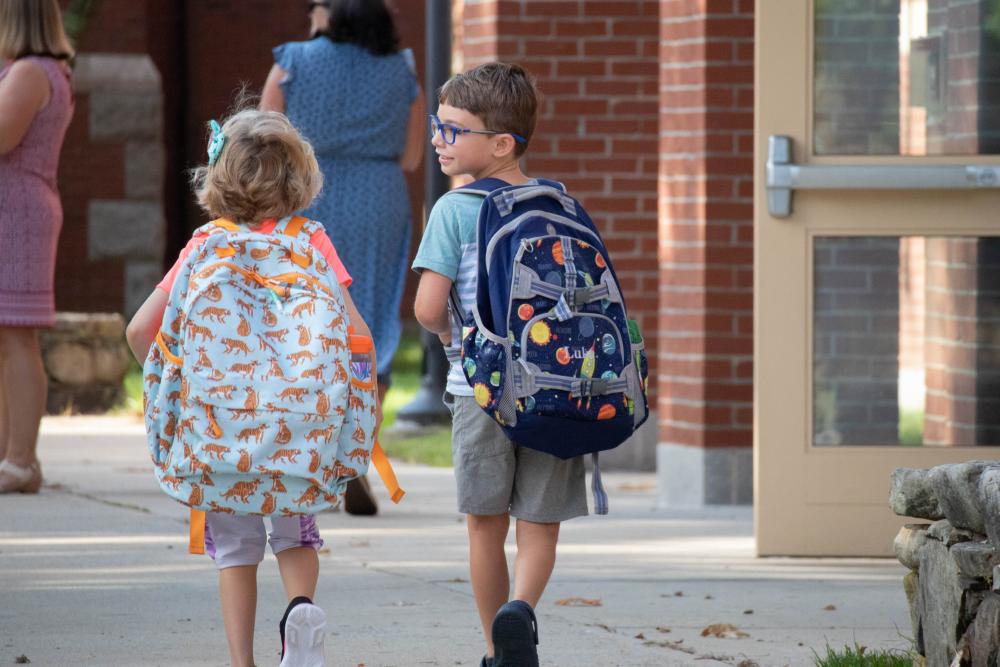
449, 133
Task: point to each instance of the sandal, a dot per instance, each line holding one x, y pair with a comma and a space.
18, 479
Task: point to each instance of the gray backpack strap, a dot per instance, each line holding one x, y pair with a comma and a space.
597, 488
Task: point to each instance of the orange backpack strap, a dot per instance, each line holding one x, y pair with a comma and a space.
227, 225
295, 225
197, 536
381, 463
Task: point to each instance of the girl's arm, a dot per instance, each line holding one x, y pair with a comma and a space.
361, 329
272, 99
23, 93
416, 134
141, 331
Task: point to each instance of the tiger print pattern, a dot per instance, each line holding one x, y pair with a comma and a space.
249, 376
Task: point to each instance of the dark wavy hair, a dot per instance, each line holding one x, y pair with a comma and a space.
367, 23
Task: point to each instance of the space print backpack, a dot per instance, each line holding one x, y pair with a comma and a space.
258, 399
548, 348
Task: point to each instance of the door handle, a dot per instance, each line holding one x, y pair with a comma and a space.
784, 176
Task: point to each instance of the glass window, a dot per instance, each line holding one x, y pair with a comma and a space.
907, 77
906, 341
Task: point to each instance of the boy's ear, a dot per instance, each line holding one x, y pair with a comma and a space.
503, 145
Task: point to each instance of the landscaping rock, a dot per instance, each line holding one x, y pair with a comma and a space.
975, 560
911, 494
948, 534
956, 487
989, 501
911, 586
908, 542
939, 603
984, 633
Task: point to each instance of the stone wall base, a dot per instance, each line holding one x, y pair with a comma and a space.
698, 476
86, 359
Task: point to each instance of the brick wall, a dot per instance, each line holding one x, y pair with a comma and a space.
951, 278
596, 65
203, 50
706, 224
857, 79
856, 340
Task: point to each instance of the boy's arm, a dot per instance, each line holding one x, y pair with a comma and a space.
141, 331
431, 304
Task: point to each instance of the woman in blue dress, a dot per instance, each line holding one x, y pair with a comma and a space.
354, 94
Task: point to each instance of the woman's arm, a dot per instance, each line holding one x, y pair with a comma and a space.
23, 93
416, 134
141, 331
272, 99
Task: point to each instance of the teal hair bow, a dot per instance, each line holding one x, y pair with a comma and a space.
216, 143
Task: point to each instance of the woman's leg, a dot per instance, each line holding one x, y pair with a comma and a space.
238, 594
24, 389
4, 419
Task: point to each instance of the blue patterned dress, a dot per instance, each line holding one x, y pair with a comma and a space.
354, 108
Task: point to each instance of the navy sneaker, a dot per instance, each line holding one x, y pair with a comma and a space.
515, 636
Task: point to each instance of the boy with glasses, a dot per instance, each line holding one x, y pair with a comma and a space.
484, 123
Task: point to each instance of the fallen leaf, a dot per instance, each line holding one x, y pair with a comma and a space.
662, 629
578, 602
679, 594
602, 626
723, 631
709, 597
21, 660
458, 580
830, 607
640, 636
748, 611
637, 486
747, 663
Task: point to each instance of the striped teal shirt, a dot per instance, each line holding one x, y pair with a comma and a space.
449, 247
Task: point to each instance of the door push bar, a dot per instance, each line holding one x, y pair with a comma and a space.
783, 176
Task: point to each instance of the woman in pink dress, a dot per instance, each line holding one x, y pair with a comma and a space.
36, 105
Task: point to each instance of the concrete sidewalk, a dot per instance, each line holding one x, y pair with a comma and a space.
94, 571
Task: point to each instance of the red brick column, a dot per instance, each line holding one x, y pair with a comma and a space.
706, 252
596, 65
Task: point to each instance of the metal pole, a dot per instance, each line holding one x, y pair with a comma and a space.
427, 407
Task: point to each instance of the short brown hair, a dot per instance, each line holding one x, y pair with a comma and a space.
266, 170
32, 28
502, 95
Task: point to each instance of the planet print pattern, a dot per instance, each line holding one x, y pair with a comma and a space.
595, 342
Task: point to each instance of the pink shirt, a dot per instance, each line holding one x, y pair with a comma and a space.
318, 240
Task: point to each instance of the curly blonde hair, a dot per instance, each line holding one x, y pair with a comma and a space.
266, 170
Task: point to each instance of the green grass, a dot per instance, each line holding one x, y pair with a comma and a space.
431, 446
911, 427
860, 656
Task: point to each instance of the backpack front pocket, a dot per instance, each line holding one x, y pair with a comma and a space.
486, 363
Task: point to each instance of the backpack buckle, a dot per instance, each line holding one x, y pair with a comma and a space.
504, 202
593, 387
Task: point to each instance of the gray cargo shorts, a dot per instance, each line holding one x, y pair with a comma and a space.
496, 476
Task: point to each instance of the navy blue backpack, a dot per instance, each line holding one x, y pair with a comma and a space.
549, 350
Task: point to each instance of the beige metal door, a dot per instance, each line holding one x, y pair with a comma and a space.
877, 312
